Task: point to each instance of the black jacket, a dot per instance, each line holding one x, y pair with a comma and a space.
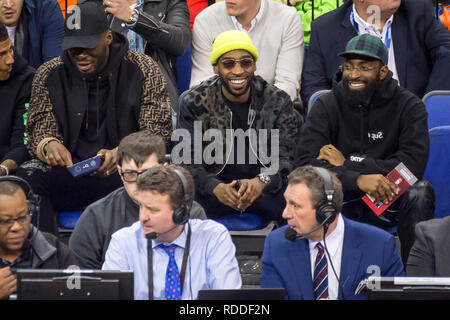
42, 251
92, 234
164, 25
391, 129
137, 99
15, 94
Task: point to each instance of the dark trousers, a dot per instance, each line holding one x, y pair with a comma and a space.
415, 205
268, 206
60, 191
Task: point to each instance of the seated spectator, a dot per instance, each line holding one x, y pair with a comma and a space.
280, 44
430, 254
22, 245
332, 254
239, 176
418, 44
363, 129
89, 240
82, 104
159, 29
199, 254
36, 28
15, 88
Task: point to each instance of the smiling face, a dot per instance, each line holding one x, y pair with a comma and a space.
92, 60
361, 77
236, 68
13, 236
10, 11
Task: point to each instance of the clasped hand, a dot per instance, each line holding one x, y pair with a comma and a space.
241, 199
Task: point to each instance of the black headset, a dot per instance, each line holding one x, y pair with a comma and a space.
33, 199
326, 209
181, 214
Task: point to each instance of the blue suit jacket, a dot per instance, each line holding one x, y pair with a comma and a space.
45, 31
287, 264
421, 46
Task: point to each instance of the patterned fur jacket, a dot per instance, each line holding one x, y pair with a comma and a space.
271, 107
136, 99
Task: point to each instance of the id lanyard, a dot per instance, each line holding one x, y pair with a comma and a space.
388, 32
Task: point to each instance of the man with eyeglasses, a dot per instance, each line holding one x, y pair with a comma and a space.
235, 177
363, 129
22, 245
90, 239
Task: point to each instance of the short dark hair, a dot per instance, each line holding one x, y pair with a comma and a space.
313, 180
3, 32
164, 180
140, 145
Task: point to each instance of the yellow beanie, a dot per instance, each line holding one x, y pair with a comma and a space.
232, 40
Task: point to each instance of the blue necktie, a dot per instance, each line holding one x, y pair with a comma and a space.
320, 281
173, 284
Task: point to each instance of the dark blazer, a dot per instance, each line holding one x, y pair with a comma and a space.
430, 255
421, 46
287, 264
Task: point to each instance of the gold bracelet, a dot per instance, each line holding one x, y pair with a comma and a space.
40, 150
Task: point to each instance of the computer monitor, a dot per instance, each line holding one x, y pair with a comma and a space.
408, 288
74, 284
242, 294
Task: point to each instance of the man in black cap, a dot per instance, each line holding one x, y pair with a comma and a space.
363, 129
82, 104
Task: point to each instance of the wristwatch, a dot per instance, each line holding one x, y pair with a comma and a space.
133, 18
264, 178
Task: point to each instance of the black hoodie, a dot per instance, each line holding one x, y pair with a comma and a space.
14, 94
87, 114
375, 138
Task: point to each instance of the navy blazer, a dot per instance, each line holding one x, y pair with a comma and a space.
287, 264
421, 47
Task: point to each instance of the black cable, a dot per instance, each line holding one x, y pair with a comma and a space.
325, 229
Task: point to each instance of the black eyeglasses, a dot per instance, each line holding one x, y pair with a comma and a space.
131, 175
361, 68
231, 63
20, 220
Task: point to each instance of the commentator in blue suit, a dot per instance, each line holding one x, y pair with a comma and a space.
297, 258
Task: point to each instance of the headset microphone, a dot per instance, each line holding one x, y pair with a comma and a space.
291, 235
154, 235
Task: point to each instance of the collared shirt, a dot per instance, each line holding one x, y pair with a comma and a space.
11, 33
211, 264
334, 242
253, 22
386, 33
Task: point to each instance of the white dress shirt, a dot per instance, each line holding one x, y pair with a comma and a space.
253, 22
372, 29
334, 242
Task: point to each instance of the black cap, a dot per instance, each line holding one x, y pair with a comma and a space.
85, 24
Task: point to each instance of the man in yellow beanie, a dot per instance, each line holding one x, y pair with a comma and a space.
254, 126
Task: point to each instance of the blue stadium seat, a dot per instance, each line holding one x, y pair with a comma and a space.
241, 222
438, 108
437, 171
67, 220
314, 97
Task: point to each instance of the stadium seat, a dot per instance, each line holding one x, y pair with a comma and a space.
314, 97
66, 221
438, 108
184, 68
437, 171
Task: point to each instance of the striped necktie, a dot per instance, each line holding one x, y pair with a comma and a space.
320, 281
173, 283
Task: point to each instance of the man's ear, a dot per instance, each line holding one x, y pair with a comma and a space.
108, 37
216, 68
383, 72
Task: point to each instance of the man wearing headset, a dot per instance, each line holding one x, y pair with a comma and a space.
172, 257
320, 254
22, 245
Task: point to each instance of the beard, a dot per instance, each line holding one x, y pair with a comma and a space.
233, 93
364, 96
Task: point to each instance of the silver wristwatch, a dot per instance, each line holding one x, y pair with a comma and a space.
264, 178
134, 18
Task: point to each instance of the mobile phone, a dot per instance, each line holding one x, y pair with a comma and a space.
86, 166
